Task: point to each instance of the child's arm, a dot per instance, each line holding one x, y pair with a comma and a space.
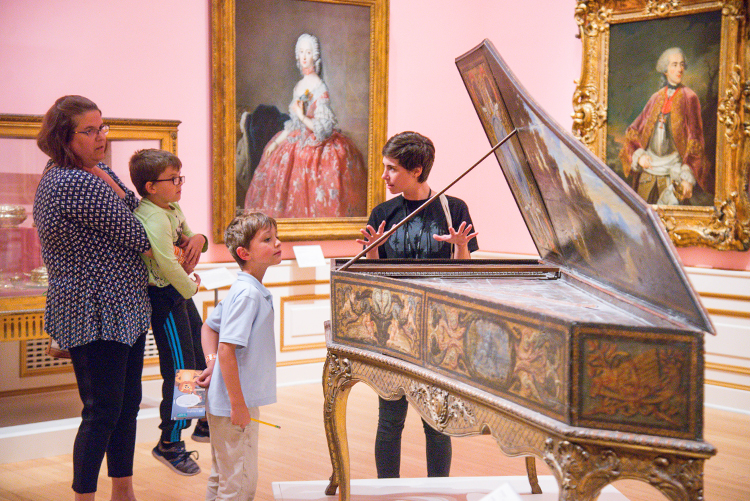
228, 362
210, 345
192, 246
159, 231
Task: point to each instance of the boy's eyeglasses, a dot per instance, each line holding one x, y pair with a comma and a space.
174, 180
92, 132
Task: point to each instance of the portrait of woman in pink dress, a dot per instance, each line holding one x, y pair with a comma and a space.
310, 168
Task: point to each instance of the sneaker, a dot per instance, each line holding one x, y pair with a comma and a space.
177, 458
201, 433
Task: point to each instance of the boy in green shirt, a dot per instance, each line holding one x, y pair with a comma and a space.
174, 319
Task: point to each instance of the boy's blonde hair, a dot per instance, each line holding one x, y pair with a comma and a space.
148, 164
245, 225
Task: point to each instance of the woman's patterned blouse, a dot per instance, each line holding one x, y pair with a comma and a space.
90, 245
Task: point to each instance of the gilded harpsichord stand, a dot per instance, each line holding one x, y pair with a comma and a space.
583, 461
589, 358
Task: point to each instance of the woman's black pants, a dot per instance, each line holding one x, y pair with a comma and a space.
391, 418
108, 374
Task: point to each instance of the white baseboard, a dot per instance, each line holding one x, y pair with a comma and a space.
55, 438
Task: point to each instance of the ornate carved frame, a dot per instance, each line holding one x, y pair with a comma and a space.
726, 224
225, 125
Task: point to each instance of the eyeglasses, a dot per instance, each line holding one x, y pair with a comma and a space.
174, 180
92, 132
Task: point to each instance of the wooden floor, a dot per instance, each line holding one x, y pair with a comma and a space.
298, 451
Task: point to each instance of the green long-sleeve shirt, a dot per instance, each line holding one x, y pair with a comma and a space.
164, 229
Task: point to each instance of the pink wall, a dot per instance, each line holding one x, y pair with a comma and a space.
134, 58
145, 59
426, 92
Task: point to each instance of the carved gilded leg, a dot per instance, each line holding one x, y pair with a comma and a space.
337, 383
531, 472
583, 471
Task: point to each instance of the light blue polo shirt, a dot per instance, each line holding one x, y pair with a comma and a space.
245, 318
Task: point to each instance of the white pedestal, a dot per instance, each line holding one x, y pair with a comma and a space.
43, 436
428, 489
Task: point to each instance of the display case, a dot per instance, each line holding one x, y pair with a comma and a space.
23, 278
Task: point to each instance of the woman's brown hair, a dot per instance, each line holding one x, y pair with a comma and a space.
58, 127
411, 150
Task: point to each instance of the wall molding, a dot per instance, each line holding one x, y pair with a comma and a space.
732, 369
724, 384
731, 297
728, 313
284, 300
301, 361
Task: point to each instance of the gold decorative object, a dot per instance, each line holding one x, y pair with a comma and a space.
441, 406
11, 215
723, 221
39, 275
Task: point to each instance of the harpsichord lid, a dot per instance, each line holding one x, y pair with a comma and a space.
580, 214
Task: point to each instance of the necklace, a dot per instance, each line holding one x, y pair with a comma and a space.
415, 252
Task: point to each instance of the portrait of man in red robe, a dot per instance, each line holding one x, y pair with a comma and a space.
663, 155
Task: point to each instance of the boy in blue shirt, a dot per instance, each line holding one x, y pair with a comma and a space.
239, 341
174, 319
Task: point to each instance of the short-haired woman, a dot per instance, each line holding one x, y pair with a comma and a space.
442, 230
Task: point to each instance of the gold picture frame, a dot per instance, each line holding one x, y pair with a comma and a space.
226, 112
614, 33
120, 129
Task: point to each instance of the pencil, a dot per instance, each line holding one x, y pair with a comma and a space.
263, 422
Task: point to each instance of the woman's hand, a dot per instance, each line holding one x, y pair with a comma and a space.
275, 143
298, 108
98, 172
370, 234
460, 238
269, 149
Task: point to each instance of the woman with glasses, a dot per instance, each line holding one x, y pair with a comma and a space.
97, 304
